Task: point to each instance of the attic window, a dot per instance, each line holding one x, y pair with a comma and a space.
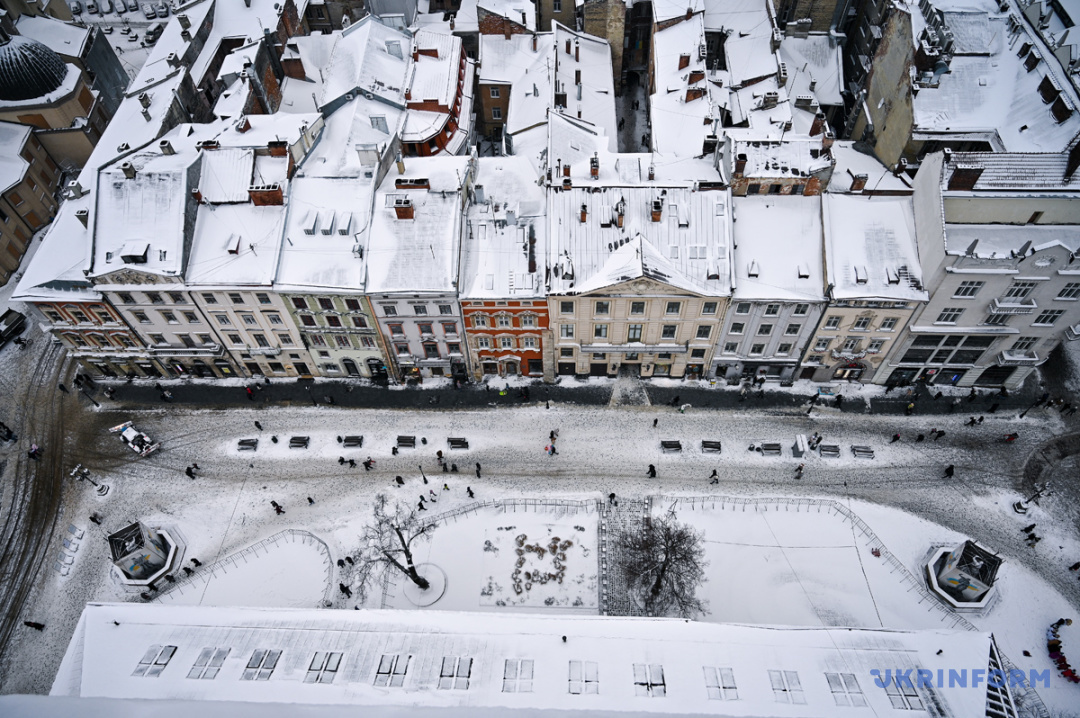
161, 255
720, 209
208, 664
154, 661
1024, 49
697, 251
1060, 110
393, 47
860, 275
108, 257
804, 271
1048, 90
673, 251
753, 270
378, 122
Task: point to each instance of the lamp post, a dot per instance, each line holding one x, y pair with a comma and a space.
1021, 506
81, 473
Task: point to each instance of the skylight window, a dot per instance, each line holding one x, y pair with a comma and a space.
845, 689
154, 661
584, 677
324, 666
649, 680
786, 687
518, 675
261, 665
720, 683
455, 673
208, 663
392, 670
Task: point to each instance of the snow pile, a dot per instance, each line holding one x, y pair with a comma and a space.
538, 563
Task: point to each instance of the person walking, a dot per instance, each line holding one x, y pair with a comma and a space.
799, 470
434, 496
939, 435
310, 501
919, 438
190, 473
478, 469
993, 408
654, 422
949, 471
258, 426
980, 420
352, 463
909, 408
652, 471
63, 388
341, 460
420, 506
94, 518
399, 481
970, 422
468, 490
445, 487
196, 562
895, 438
250, 393
714, 478
35, 625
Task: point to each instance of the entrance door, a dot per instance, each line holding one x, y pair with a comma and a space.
995, 376
511, 368
201, 370
598, 369
350, 367
807, 372
148, 369
490, 367
567, 368
536, 366
301, 368
252, 368
105, 370
377, 369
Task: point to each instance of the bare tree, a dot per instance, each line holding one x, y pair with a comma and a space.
388, 542
663, 565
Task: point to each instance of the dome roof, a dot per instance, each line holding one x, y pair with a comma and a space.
28, 69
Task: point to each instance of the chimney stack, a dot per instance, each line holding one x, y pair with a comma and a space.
652, 171
684, 61
584, 213
185, 21
128, 169
740, 165
144, 99
534, 42
964, 177
270, 195
858, 183
146, 115
83, 215
657, 209
568, 46
172, 60
818, 124
185, 35
400, 164
403, 208
566, 170
594, 166
196, 194
577, 51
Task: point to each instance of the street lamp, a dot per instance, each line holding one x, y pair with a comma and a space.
81, 473
1021, 506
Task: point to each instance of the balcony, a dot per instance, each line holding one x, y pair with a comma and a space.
841, 354
1024, 358
265, 351
635, 348
206, 350
1072, 333
1010, 305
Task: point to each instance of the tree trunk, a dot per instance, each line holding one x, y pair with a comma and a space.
658, 584
411, 572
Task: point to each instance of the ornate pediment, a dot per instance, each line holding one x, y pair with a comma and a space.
644, 287
128, 276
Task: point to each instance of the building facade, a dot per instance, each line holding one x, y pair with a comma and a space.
341, 334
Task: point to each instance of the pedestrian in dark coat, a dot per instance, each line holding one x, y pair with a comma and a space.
938, 395
310, 501
420, 506
715, 477
1075, 566
972, 394
341, 563
895, 438
190, 472
993, 408
980, 420
919, 438
1028, 529
352, 463
970, 422
197, 562
478, 469
250, 393
348, 560
399, 481
94, 518
468, 490
195, 466
63, 388
654, 422
345, 589
939, 435
258, 426
341, 460
187, 571
949, 471
35, 625
652, 471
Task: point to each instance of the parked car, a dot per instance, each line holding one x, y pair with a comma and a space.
76, 7
132, 5
91, 7
161, 8
12, 324
105, 6
153, 32
148, 11
120, 7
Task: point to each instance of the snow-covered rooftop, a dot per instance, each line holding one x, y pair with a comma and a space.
671, 9
233, 20
418, 255
742, 17
793, 157
505, 60
1003, 241
504, 228
589, 58
814, 67
369, 57
870, 249
777, 251
683, 112
1025, 172
523, 12
749, 58
60, 37
235, 245
688, 248
434, 77
851, 162
12, 166
611, 663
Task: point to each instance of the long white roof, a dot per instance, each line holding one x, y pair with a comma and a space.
111, 639
778, 248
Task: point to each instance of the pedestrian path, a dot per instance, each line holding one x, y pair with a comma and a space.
628, 391
619, 516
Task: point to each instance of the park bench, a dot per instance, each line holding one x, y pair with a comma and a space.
457, 443
299, 442
862, 452
353, 442
801, 447
669, 446
248, 444
771, 448
406, 442
710, 447
829, 451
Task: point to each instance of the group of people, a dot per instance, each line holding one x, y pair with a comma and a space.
1057, 655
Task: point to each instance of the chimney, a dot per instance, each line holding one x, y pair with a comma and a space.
144, 99
400, 164
267, 195
184, 21
964, 176
146, 115
196, 194
128, 169
900, 168
75, 189
577, 77
452, 15
507, 29
652, 172
689, 12
684, 61
594, 166
858, 182
83, 215
577, 51
740, 165
657, 209
566, 170
185, 35
534, 42
172, 60
247, 3
415, 54
694, 93
403, 208
166, 147
818, 124
244, 124
584, 213
696, 76
568, 46
827, 139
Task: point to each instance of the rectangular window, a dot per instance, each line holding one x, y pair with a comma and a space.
704, 331
966, 289
903, 697
208, 664
389, 311
299, 303
483, 342
506, 342
446, 309
851, 344
480, 320
566, 307
888, 324
285, 340
668, 331
633, 332
764, 330
584, 678
342, 341
708, 308
235, 298
1048, 317
126, 298
731, 347
720, 684
742, 308
425, 328
449, 328
192, 318
673, 308
307, 320
260, 339
323, 667
949, 315
783, 350
875, 346
832, 322
392, 670
222, 319
455, 673
1023, 344
170, 317
326, 304
528, 342
697, 353
235, 339
1019, 290
861, 324
496, 113
504, 320
359, 322
154, 298
792, 329
154, 661
786, 687
419, 310
494, 91
845, 689
566, 331
822, 345
141, 317
771, 310
177, 298
249, 320
637, 308
603, 307
261, 664
1069, 291
205, 338
649, 680
600, 331
528, 321
737, 328
431, 351
262, 297
801, 310
518, 675
556, 6
757, 350
274, 318
566, 353
401, 349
